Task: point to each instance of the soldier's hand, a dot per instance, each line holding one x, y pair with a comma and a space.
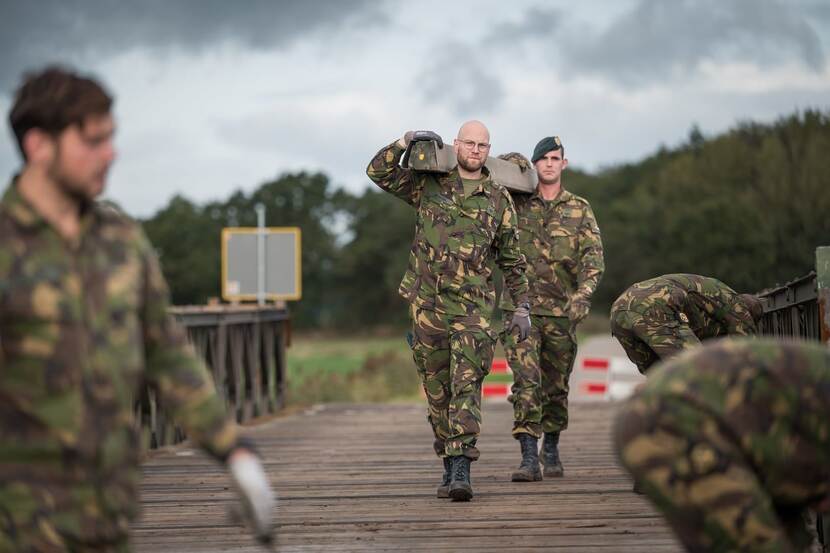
257, 498
404, 141
419, 136
579, 308
521, 320
518, 159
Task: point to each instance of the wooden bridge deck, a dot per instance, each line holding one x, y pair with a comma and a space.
363, 478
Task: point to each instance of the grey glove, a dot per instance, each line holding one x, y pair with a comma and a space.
411, 137
521, 320
422, 136
579, 308
258, 501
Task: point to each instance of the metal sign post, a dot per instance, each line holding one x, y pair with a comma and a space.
260, 253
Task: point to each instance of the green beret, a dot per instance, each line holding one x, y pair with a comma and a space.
547, 144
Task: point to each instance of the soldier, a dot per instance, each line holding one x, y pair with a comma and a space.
83, 322
731, 442
559, 237
464, 221
664, 315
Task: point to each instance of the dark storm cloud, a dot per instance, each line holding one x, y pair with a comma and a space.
659, 39
457, 77
36, 32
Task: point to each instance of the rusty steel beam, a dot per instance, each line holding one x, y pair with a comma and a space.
823, 292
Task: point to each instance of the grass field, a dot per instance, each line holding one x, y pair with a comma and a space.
350, 368
355, 368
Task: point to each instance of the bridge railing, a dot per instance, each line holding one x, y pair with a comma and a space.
801, 309
244, 348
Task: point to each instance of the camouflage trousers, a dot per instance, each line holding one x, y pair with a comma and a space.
648, 338
700, 480
51, 517
541, 367
453, 355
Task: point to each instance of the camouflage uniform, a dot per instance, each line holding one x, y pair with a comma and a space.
450, 286
661, 316
731, 442
561, 242
81, 327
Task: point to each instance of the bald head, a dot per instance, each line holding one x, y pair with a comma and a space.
471, 148
474, 130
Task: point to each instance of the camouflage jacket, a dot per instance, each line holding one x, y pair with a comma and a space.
707, 305
770, 397
561, 241
456, 238
81, 328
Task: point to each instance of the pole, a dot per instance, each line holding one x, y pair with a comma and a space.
260, 256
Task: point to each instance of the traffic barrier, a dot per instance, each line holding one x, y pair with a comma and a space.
608, 378
595, 377
498, 382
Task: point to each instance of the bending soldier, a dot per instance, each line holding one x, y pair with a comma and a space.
464, 221
560, 239
731, 442
83, 322
661, 316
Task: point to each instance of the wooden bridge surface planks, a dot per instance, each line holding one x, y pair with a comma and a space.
363, 478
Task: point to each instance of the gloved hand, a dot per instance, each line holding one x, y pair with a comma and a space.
521, 320
518, 159
580, 306
419, 136
258, 501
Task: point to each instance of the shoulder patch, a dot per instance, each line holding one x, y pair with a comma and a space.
111, 211
580, 199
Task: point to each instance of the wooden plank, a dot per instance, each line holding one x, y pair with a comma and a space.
363, 478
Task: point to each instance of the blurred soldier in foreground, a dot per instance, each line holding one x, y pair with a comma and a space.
661, 316
83, 323
464, 221
560, 239
731, 441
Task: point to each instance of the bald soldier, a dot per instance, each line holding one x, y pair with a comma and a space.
731, 442
664, 315
464, 222
560, 239
83, 324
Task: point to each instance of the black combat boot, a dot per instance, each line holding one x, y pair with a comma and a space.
550, 456
444, 488
460, 488
528, 470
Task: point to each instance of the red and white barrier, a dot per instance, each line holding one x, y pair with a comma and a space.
596, 377
498, 382
607, 378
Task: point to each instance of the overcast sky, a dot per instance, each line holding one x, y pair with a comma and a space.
214, 96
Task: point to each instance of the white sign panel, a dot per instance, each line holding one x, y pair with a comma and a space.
240, 273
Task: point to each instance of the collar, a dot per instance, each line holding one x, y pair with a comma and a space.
485, 184
18, 209
26, 216
562, 197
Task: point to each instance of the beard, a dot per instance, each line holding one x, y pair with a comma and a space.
471, 165
77, 191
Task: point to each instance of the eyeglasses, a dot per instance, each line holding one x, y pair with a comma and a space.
471, 144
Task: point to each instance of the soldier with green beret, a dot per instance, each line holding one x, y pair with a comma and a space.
661, 316
559, 237
465, 221
731, 442
83, 324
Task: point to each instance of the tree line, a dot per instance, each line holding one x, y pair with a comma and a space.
748, 206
